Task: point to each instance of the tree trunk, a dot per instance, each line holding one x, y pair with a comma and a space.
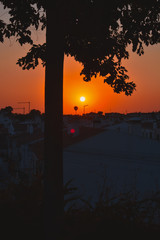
53, 147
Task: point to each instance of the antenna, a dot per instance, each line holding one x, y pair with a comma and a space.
29, 104
21, 108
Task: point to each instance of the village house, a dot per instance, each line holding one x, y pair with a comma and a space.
17, 159
145, 127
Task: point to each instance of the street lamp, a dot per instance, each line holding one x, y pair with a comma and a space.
84, 108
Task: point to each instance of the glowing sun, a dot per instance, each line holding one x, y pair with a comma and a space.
82, 99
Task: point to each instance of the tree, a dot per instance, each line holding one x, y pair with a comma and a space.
75, 108
96, 33
34, 112
7, 110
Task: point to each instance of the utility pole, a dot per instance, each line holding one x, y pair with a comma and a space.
29, 105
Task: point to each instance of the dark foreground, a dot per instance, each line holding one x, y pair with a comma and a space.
75, 227
21, 213
23, 220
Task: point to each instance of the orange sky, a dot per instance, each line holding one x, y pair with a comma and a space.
18, 85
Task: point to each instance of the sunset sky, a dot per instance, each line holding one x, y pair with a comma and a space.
18, 85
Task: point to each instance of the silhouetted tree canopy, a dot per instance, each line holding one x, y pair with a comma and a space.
75, 108
96, 33
34, 113
7, 110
